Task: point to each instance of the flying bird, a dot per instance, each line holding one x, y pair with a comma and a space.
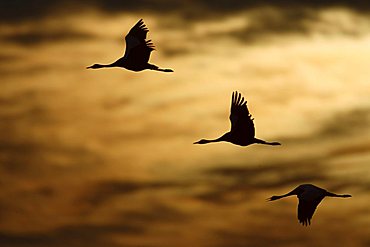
137, 51
309, 196
242, 127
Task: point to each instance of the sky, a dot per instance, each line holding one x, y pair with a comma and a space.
105, 157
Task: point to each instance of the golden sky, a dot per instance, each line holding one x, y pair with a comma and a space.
105, 157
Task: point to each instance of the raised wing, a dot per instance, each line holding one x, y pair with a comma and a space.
306, 210
137, 48
139, 31
241, 120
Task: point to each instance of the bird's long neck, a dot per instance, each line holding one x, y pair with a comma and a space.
259, 141
220, 139
106, 65
99, 66
336, 195
285, 195
296, 191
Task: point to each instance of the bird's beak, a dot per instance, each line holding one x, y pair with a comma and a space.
89, 67
196, 142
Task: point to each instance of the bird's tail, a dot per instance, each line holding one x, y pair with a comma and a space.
154, 67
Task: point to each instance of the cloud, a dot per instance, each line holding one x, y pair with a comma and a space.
73, 235
32, 158
36, 37
345, 123
11, 11
106, 190
264, 23
8, 58
227, 180
241, 238
156, 213
341, 124
175, 51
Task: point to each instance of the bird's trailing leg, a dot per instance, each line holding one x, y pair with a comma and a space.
267, 143
336, 195
154, 67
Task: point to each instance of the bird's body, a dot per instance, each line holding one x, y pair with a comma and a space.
309, 197
137, 52
242, 131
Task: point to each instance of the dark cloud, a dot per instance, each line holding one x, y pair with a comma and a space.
22, 153
341, 124
11, 99
106, 190
32, 158
345, 123
268, 22
18, 10
11, 71
353, 149
238, 238
6, 58
175, 52
224, 5
36, 37
74, 235
28, 156
267, 19
35, 113
157, 213
113, 103
246, 181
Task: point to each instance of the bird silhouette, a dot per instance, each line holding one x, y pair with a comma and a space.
309, 196
137, 51
242, 127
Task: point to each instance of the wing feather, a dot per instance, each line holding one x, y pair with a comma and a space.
240, 118
138, 49
306, 209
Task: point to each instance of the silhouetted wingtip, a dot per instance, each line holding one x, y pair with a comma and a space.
273, 198
305, 222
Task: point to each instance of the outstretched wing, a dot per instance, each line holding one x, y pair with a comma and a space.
137, 48
306, 209
241, 120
